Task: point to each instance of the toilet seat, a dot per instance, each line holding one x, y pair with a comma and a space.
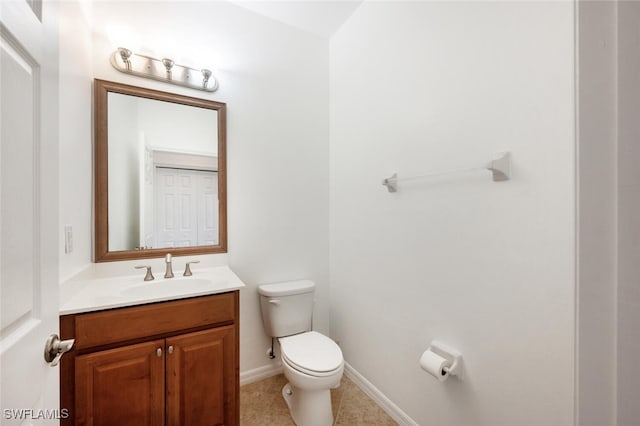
312, 353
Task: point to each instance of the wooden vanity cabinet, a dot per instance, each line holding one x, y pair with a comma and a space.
169, 363
121, 386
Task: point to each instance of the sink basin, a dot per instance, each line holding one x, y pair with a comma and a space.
117, 291
168, 287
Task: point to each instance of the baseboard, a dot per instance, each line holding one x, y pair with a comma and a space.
259, 373
358, 379
378, 397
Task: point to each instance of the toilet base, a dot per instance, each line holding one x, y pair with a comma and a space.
308, 408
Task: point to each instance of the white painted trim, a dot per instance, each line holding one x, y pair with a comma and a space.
260, 373
378, 397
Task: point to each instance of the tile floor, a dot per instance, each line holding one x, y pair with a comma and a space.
261, 404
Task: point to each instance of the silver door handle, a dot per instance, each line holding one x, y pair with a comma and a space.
55, 348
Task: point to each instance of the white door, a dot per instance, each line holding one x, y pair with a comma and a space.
176, 208
187, 208
207, 208
28, 210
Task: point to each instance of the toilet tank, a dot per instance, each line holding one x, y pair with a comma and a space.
286, 307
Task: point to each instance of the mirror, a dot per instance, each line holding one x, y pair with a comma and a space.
160, 173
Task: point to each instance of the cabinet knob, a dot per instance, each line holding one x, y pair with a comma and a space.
159, 352
170, 350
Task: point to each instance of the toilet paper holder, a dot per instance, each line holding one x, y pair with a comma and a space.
454, 358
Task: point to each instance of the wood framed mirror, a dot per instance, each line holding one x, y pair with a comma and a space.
160, 173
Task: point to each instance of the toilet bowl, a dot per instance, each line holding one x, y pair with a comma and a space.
313, 363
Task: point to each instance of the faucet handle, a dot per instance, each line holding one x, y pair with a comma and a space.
187, 268
149, 276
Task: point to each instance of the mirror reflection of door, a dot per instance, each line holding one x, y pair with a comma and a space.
145, 137
186, 208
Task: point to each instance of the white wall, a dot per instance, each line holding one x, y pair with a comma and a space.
124, 172
178, 127
274, 80
597, 213
629, 213
487, 268
75, 135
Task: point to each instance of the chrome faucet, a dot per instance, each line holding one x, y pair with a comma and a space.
169, 271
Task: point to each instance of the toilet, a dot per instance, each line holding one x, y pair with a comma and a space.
312, 362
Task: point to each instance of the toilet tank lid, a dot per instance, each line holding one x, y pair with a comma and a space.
288, 288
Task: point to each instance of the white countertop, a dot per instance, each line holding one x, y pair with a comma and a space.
95, 294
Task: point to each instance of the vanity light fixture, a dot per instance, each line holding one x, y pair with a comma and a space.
206, 74
168, 64
125, 54
124, 60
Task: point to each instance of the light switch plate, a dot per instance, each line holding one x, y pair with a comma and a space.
68, 239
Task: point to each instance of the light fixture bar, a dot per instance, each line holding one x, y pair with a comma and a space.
163, 70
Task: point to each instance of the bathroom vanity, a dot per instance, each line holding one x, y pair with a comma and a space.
173, 361
154, 351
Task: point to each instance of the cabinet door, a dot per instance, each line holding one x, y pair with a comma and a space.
201, 378
123, 386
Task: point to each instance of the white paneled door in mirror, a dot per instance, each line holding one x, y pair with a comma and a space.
187, 208
28, 206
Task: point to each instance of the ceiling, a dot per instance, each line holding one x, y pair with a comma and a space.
319, 17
